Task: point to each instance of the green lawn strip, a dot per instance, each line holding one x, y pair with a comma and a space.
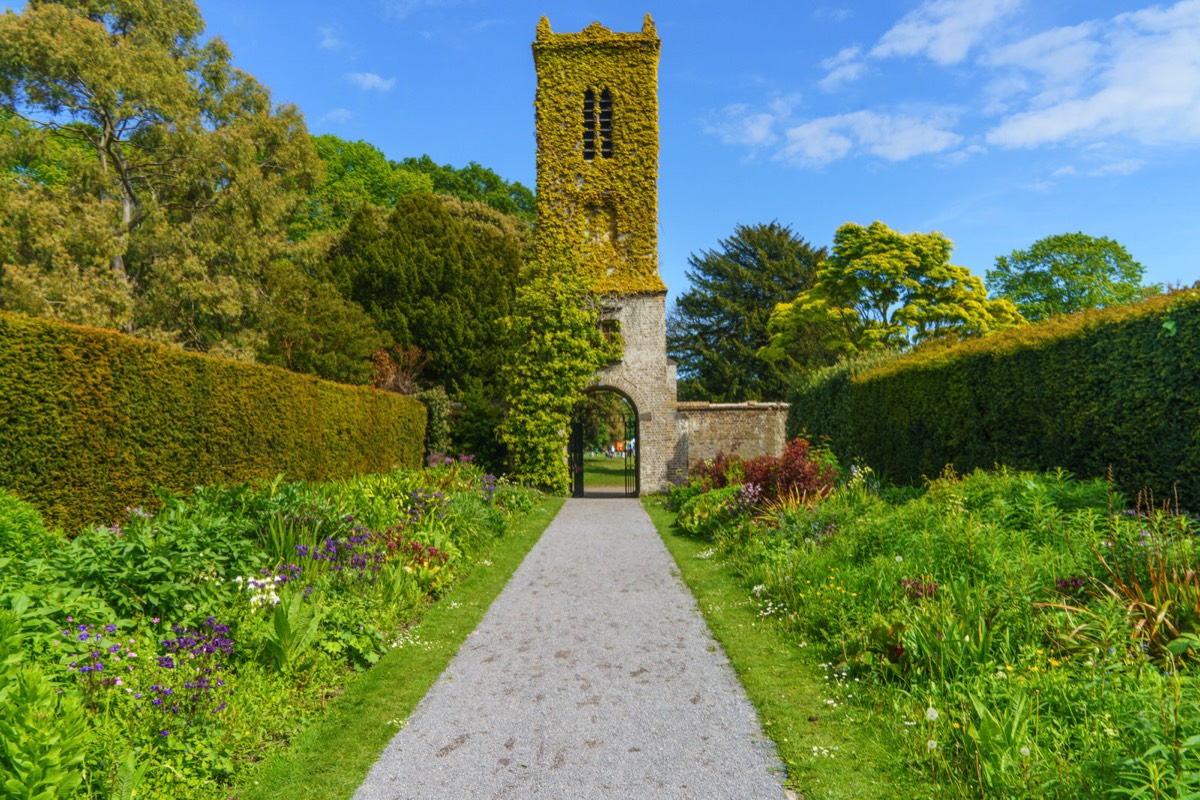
331, 758
601, 471
787, 685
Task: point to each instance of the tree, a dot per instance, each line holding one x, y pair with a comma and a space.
717, 327
880, 289
154, 183
1066, 273
478, 183
435, 274
355, 173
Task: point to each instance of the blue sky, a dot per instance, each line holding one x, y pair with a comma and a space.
996, 122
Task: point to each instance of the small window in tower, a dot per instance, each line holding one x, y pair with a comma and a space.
606, 122
589, 125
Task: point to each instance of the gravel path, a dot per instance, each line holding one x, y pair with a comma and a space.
592, 675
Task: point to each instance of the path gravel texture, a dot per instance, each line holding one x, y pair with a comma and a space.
592, 675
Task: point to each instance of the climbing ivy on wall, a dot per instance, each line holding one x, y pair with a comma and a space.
554, 346
603, 211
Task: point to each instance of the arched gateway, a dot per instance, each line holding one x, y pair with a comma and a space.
597, 199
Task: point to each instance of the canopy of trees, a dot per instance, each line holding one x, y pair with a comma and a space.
1068, 272
149, 185
437, 274
717, 327
879, 289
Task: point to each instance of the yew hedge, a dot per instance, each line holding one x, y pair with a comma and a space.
1116, 387
92, 420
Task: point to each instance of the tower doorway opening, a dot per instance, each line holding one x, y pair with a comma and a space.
604, 446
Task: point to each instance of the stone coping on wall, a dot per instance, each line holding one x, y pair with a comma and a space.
704, 405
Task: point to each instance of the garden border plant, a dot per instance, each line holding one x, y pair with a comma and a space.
331, 758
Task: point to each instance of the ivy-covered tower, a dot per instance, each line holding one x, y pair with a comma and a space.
597, 200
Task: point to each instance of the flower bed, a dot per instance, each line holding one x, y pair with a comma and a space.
1015, 634
174, 649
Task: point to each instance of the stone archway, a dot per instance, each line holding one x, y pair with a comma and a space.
605, 455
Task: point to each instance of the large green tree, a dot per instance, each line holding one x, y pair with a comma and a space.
884, 289
356, 173
718, 326
437, 274
1066, 273
477, 183
149, 185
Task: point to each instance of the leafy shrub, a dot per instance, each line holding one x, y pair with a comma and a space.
42, 732
706, 513
92, 420
798, 472
22, 534
1082, 392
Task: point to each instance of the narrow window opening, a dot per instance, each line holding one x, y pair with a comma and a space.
589, 125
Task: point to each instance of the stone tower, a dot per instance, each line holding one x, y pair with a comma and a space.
597, 199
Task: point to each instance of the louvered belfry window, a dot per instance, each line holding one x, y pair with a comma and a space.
597, 124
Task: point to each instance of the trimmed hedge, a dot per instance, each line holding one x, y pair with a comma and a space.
1115, 387
91, 420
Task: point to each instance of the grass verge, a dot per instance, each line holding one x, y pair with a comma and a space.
330, 758
827, 744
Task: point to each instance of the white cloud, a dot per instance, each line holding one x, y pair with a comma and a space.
329, 39
337, 115
848, 65
942, 30
1142, 83
893, 137
741, 124
1062, 59
368, 81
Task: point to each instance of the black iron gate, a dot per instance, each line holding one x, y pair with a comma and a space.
632, 449
575, 459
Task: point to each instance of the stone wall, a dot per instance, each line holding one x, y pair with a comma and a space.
647, 378
747, 429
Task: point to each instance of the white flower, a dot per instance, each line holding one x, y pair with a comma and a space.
931, 745
931, 714
1025, 752
899, 559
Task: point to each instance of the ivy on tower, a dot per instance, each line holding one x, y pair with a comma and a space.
597, 154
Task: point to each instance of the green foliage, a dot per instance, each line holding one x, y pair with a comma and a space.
309, 327
884, 289
1103, 388
475, 419
222, 608
356, 174
92, 420
474, 183
437, 414
983, 628
42, 733
1066, 273
554, 346
717, 328
22, 534
295, 627
430, 278
177, 255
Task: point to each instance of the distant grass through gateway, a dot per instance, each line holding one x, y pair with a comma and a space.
602, 472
